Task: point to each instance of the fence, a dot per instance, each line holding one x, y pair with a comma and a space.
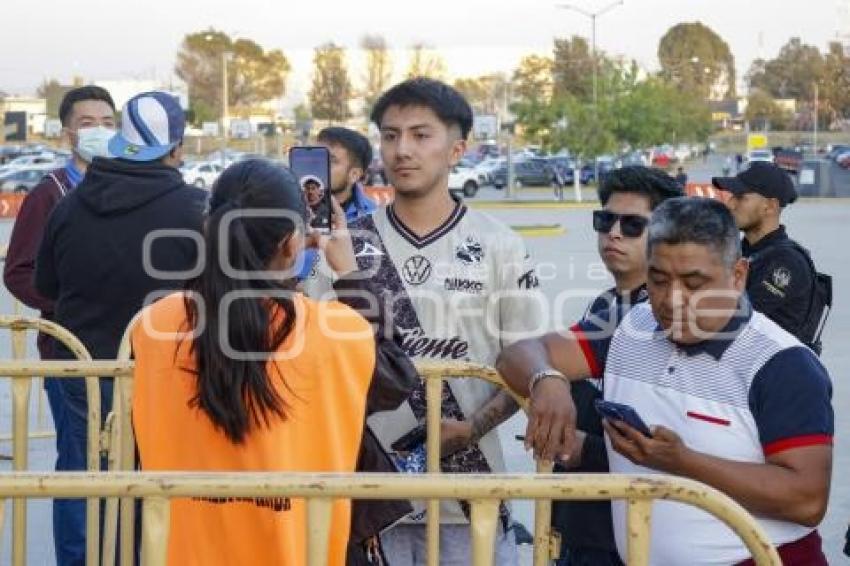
485, 492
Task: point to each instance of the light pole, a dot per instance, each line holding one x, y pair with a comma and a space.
593, 16
225, 55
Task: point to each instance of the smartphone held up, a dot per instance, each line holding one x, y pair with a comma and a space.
311, 165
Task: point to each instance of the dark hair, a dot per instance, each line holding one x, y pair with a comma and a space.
358, 147
237, 394
652, 183
446, 102
90, 92
696, 220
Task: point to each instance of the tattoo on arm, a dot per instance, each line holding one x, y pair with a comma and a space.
497, 410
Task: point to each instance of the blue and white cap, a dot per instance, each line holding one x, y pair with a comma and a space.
152, 124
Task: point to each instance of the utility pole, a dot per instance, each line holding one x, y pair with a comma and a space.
815, 138
224, 56
593, 17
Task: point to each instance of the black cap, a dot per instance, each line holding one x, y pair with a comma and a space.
763, 178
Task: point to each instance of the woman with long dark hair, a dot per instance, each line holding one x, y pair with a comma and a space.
240, 372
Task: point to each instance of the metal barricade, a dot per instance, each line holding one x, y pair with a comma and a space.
21, 386
319, 490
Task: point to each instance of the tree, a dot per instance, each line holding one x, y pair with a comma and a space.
533, 79
792, 74
763, 113
379, 69
572, 68
835, 90
486, 94
697, 61
425, 62
254, 75
331, 91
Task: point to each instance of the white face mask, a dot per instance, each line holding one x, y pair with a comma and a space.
93, 142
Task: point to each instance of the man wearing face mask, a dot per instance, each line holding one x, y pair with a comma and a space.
88, 121
128, 231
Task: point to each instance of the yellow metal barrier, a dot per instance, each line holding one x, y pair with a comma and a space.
21, 387
484, 491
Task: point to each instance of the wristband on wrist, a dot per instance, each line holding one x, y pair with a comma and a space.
546, 374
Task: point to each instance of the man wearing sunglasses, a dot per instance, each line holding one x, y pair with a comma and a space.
628, 197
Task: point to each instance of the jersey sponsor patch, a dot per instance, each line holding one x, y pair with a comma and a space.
528, 280
470, 251
461, 285
416, 270
369, 250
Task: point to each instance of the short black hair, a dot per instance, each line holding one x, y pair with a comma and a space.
446, 102
358, 147
696, 220
89, 92
652, 183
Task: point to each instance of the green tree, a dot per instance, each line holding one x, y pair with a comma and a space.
792, 74
379, 69
697, 61
486, 94
533, 79
763, 113
254, 75
331, 92
572, 68
835, 89
426, 62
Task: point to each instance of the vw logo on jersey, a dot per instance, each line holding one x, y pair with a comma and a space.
416, 270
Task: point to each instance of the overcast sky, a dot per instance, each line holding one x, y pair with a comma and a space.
107, 40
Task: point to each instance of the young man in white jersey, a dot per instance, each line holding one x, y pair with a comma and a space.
462, 288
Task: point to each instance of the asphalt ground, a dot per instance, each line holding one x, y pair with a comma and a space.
571, 273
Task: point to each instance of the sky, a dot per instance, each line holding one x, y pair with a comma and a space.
107, 40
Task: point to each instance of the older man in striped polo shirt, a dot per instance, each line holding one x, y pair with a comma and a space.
732, 400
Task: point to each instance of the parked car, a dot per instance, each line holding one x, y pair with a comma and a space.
760, 156
201, 174
21, 180
788, 159
463, 181
487, 167
527, 173
566, 167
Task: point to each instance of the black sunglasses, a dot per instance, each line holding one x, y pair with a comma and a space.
631, 225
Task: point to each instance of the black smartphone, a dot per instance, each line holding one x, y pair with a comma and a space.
620, 412
411, 439
311, 165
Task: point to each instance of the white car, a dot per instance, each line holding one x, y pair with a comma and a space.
44, 161
201, 174
464, 181
760, 155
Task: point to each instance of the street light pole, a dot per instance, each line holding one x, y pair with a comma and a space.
593, 17
224, 54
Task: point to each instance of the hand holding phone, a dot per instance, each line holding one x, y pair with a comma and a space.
624, 413
311, 165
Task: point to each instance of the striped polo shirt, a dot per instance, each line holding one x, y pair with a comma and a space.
754, 393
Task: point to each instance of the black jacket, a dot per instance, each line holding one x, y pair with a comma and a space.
780, 282
92, 262
393, 380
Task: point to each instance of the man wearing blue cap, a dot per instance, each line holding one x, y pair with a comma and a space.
127, 233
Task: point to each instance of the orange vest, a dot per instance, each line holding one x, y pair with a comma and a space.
326, 371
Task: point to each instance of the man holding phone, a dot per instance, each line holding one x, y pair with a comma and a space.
735, 401
628, 196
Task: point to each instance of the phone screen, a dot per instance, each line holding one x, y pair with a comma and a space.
311, 165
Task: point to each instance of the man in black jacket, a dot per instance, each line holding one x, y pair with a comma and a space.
129, 231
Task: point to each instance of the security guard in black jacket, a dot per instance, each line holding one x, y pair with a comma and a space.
781, 280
